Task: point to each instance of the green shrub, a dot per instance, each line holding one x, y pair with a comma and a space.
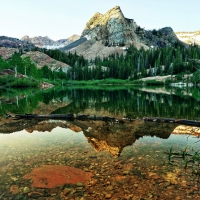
168, 81
138, 82
154, 82
23, 83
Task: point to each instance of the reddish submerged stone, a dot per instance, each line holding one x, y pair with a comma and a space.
49, 176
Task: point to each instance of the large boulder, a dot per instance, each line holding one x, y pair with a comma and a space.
50, 176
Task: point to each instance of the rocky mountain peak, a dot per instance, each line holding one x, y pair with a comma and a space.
112, 32
116, 8
111, 28
73, 37
115, 12
94, 20
26, 37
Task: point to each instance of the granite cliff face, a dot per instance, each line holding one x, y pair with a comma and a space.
111, 28
46, 42
111, 32
158, 38
189, 37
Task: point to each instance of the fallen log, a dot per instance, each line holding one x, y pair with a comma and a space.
69, 117
188, 122
172, 120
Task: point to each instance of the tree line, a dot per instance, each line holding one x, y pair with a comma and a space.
135, 64
144, 63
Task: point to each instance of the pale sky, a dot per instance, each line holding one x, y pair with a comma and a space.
59, 19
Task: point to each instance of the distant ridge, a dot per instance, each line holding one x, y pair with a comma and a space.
10, 42
46, 42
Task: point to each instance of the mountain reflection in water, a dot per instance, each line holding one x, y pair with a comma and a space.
118, 161
112, 138
45, 158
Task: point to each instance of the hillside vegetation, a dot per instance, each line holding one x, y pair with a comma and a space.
181, 62
22, 72
178, 61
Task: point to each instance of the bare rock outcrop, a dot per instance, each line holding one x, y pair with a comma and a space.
40, 59
38, 41
91, 49
111, 28
7, 53
189, 37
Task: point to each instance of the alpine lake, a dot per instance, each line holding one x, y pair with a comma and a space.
129, 158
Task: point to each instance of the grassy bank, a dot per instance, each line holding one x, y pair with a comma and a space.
26, 82
99, 82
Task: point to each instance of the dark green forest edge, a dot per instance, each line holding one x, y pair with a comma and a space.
181, 62
116, 100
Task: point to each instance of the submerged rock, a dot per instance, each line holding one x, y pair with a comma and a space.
26, 190
14, 189
49, 176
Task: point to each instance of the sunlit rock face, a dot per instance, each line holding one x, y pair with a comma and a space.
111, 28
189, 37
112, 32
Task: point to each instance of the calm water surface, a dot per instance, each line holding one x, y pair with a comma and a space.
127, 161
